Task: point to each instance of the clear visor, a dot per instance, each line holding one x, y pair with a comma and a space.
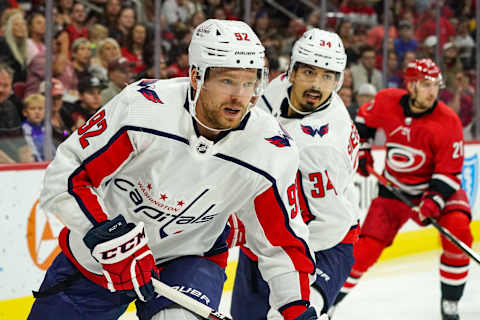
236, 82
322, 77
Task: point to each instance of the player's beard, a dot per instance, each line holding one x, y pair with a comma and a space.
215, 119
309, 106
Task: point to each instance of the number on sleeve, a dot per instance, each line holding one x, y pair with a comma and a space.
457, 149
318, 190
292, 200
98, 120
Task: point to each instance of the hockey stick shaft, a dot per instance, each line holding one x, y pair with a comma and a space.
462, 246
187, 302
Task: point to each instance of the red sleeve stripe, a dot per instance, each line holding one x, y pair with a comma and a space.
93, 170
275, 224
65, 246
274, 220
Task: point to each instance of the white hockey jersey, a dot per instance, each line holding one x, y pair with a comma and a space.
140, 156
328, 144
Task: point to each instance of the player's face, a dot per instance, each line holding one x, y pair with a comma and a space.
225, 96
424, 94
311, 86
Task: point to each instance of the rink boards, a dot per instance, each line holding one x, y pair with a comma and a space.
30, 236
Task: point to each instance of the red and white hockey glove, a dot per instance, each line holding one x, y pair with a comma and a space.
126, 259
430, 206
299, 312
364, 158
236, 236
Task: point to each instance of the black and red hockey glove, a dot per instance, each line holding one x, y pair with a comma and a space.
364, 158
126, 259
430, 206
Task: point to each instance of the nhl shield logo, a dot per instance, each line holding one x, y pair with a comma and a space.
470, 178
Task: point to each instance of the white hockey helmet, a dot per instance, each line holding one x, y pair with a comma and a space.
228, 44
322, 49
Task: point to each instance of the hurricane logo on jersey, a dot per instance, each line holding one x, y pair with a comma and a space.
470, 178
280, 141
323, 130
147, 92
401, 158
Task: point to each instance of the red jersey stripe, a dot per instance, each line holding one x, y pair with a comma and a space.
274, 221
102, 164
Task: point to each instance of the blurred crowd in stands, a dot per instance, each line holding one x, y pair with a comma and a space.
99, 46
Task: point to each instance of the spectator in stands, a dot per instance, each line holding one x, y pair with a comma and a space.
218, 13
345, 94
366, 93
347, 78
81, 54
60, 131
426, 50
96, 33
119, 75
108, 50
62, 67
179, 66
77, 28
6, 15
458, 95
13, 46
64, 14
229, 7
197, 18
393, 79
345, 31
295, 29
365, 71
149, 72
126, 22
465, 43
36, 32
111, 13
409, 56
405, 41
376, 34
359, 12
451, 64
34, 127
175, 11
75, 115
13, 147
313, 20
137, 40
427, 26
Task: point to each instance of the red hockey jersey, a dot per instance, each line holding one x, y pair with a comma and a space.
423, 151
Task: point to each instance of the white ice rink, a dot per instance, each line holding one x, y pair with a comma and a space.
404, 288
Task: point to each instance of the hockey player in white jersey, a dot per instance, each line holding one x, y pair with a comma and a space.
144, 188
306, 103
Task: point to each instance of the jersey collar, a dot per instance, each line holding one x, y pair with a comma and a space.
405, 103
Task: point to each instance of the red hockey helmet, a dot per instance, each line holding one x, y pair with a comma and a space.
423, 69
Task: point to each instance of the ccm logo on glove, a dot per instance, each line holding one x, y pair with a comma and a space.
125, 247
